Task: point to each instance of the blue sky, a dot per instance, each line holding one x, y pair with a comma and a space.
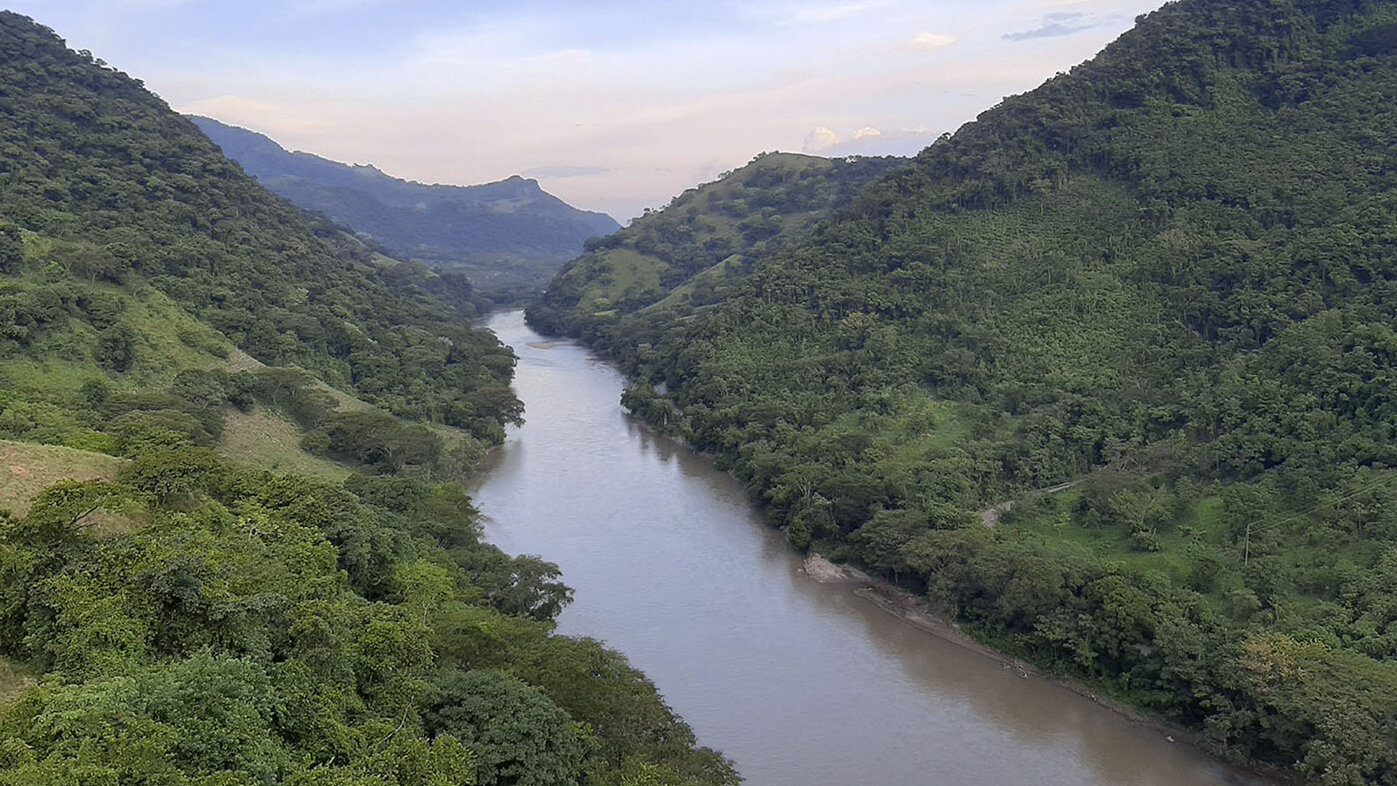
613, 106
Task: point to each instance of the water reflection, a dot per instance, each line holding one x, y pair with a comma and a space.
800, 683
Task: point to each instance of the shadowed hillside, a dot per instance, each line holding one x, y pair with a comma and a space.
670, 262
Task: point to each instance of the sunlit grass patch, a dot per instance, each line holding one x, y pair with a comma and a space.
14, 680
266, 440
26, 469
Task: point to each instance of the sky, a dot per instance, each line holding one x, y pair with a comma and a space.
615, 106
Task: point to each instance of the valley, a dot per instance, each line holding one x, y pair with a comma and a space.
1103, 381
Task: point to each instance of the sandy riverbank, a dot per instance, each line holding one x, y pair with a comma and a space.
914, 611
903, 605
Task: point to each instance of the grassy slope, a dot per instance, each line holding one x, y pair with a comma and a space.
26, 469
267, 440
13, 681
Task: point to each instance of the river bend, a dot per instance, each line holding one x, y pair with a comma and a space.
800, 683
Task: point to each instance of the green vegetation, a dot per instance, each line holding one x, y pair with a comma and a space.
1169, 276
264, 438
168, 616
117, 214
668, 263
274, 629
507, 237
13, 681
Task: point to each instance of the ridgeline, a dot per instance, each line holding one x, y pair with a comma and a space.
508, 237
670, 262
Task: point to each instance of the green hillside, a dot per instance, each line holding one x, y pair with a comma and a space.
671, 262
509, 237
232, 547
110, 195
1168, 277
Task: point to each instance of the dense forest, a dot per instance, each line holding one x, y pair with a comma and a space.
1108, 375
508, 237
173, 612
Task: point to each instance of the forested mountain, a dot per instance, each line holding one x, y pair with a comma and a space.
109, 199
669, 262
173, 612
508, 237
1168, 277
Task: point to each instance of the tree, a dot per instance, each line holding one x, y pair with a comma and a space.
518, 736
172, 473
11, 249
116, 348
528, 586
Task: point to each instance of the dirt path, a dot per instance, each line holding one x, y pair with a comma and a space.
990, 516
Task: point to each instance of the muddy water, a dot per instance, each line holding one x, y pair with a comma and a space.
798, 682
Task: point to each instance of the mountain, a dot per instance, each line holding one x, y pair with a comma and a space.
686, 256
507, 236
178, 608
125, 226
1109, 375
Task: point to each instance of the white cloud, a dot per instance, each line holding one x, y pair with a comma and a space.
820, 140
895, 142
867, 132
929, 40
824, 14
231, 106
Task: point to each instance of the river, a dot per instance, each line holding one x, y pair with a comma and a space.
797, 682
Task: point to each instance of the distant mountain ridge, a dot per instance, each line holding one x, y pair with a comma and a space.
508, 236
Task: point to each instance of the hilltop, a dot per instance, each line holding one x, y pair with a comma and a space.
691, 253
507, 237
1168, 278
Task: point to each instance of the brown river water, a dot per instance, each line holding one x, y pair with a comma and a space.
799, 683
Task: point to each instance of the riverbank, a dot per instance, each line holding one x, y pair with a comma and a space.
914, 610
801, 684
905, 606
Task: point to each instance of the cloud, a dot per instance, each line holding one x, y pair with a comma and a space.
231, 105
565, 170
834, 13
1055, 25
895, 142
820, 140
610, 116
929, 40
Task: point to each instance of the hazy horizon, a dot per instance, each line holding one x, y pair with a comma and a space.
616, 106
